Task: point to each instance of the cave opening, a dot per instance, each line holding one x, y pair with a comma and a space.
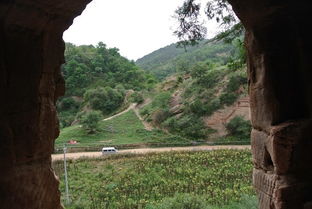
30, 58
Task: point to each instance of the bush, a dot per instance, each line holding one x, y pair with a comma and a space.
235, 82
191, 201
181, 201
105, 99
90, 121
239, 128
67, 109
68, 103
136, 97
159, 116
210, 78
144, 111
228, 98
66, 118
200, 108
188, 126
230, 94
197, 107
161, 100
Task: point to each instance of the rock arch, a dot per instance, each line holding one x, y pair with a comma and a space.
31, 53
280, 87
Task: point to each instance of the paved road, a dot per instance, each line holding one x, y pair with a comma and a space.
146, 150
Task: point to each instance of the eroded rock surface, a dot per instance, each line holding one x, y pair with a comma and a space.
31, 53
280, 89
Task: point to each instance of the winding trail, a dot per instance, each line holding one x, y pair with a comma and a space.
131, 106
149, 150
147, 125
135, 108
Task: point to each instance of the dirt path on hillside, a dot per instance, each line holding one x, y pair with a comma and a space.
148, 150
135, 107
147, 125
131, 106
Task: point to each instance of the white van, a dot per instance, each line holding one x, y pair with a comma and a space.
109, 150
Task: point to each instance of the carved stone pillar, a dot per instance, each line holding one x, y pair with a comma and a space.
280, 88
31, 53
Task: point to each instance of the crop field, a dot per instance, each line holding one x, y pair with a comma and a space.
192, 180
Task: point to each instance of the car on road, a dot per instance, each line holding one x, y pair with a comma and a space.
109, 150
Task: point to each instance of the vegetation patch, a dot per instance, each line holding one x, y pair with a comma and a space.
160, 180
100, 77
124, 129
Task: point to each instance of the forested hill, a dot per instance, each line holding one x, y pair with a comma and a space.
89, 66
97, 78
170, 59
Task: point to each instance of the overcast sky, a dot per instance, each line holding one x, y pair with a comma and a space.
136, 27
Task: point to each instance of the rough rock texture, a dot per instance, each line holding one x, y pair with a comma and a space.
31, 52
280, 89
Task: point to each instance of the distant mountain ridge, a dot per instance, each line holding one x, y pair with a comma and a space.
165, 61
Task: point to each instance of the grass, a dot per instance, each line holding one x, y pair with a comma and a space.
124, 129
217, 179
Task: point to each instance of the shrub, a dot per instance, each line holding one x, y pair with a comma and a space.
228, 98
210, 78
136, 97
230, 94
68, 103
200, 108
90, 121
66, 118
162, 100
181, 201
104, 99
144, 111
159, 116
239, 128
246, 202
67, 109
235, 82
188, 125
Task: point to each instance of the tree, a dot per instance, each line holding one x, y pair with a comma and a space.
104, 99
191, 29
136, 97
90, 121
239, 128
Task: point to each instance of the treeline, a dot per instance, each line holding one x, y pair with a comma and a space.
91, 66
97, 78
168, 60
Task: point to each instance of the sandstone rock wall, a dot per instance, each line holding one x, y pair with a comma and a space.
31, 53
280, 88
280, 81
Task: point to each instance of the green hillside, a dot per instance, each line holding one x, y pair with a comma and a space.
98, 78
170, 59
184, 100
100, 83
205, 79
121, 130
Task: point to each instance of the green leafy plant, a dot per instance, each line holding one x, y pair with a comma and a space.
136, 97
239, 128
104, 99
191, 180
90, 121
